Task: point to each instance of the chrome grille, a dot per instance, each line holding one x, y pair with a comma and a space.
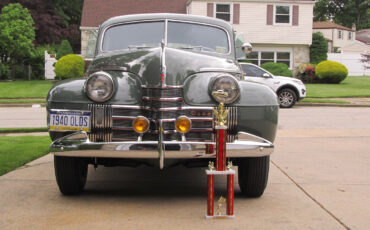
114, 122
101, 123
232, 123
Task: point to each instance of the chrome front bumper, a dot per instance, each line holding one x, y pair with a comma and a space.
79, 145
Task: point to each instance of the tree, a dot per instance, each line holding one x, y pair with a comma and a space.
318, 49
344, 12
64, 49
50, 26
16, 33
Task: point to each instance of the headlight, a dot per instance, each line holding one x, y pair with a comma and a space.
99, 87
229, 85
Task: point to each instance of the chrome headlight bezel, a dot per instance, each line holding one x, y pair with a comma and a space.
231, 98
109, 80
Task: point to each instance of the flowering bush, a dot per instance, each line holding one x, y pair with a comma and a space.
306, 72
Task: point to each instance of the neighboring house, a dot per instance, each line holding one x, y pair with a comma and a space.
279, 30
337, 36
363, 36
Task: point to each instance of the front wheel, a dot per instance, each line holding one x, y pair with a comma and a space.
253, 174
71, 174
287, 98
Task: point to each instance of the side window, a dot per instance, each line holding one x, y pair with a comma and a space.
252, 71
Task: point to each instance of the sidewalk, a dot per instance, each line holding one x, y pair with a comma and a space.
354, 102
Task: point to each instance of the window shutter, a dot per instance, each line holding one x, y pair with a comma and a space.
270, 14
236, 13
210, 9
295, 15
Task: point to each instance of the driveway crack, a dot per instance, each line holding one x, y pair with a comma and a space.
311, 197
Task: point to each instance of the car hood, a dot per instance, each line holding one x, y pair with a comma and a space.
146, 64
282, 78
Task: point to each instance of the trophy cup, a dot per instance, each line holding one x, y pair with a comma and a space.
220, 168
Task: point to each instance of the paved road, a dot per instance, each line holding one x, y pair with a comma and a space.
319, 179
20, 117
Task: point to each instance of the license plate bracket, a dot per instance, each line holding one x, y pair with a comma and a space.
69, 120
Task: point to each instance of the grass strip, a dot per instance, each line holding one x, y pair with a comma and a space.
23, 130
16, 101
350, 87
17, 151
318, 100
25, 89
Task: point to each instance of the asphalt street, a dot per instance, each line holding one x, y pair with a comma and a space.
319, 179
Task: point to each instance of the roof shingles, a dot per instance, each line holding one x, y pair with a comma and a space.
96, 12
329, 25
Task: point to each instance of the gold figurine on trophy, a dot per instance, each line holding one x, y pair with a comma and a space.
220, 203
220, 112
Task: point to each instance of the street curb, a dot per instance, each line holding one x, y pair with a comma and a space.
22, 104
332, 105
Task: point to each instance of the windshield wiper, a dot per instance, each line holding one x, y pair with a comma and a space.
139, 47
201, 48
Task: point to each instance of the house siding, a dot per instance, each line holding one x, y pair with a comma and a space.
259, 31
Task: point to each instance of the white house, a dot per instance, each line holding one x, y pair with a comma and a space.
279, 30
337, 36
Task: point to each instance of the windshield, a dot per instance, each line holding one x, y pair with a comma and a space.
133, 36
180, 35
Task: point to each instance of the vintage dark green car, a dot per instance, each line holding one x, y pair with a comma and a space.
148, 100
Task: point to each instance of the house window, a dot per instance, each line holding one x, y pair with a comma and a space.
283, 57
267, 57
253, 58
340, 34
260, 57
282, 14
349, 35
223, 11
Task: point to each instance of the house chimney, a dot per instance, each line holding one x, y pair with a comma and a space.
354, 27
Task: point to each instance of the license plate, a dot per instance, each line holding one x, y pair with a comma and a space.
69, 120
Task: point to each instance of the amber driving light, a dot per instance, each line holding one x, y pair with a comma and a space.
183, 124
140, 124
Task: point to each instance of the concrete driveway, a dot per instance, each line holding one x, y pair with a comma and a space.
319, 179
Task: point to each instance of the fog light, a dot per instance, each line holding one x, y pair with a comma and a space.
183, 124
141, 124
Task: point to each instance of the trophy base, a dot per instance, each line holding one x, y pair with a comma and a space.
220, 217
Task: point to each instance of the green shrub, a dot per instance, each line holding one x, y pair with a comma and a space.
64, 49
4, 71
319, 48
331, 72
279, 69
69, 66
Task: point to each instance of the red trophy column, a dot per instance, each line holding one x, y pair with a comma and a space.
220, 168
211, 195
230, 195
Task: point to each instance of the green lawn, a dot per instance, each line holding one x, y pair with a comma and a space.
319, 100
350, 87
23, 130
17, 151
25, 89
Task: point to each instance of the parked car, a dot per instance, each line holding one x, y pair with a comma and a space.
289, 90
148, 100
